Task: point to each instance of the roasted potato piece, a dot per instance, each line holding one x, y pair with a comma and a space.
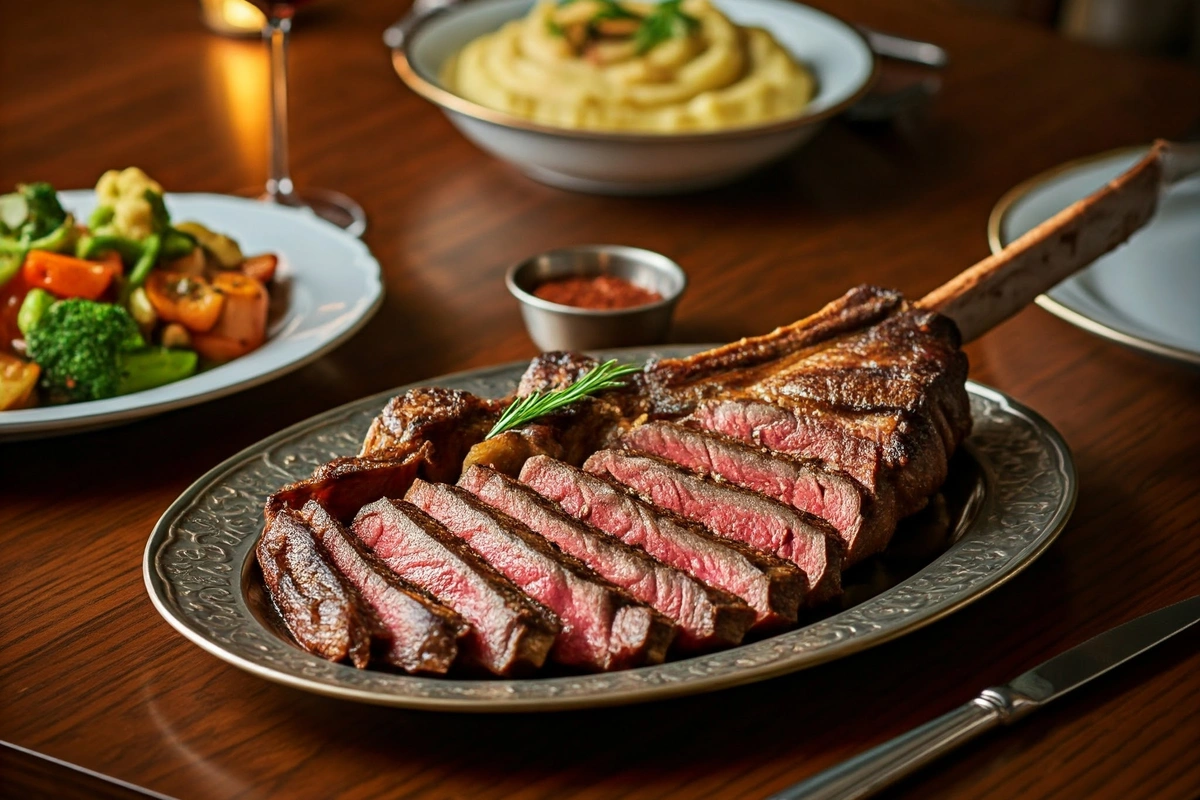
223, 249
243, 323
18, 380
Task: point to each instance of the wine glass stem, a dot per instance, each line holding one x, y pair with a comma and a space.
279, 181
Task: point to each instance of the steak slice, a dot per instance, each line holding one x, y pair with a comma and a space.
771, 586
424, 634
510, 633
776, 428
603, 628
863, 526
708, 618
318, 605
734, 513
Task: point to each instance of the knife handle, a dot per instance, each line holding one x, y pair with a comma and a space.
881, 766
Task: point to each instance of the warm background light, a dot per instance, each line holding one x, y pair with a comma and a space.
232, 17
237, 77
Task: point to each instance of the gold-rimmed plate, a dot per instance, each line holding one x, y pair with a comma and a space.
1146, 293
1011, 490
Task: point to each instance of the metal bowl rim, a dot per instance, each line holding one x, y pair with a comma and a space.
640, 254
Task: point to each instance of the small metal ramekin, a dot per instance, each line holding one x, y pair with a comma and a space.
554, 326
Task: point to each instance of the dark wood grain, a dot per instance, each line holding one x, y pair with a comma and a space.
91, 675
26, 774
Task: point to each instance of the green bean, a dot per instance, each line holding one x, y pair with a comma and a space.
141, 270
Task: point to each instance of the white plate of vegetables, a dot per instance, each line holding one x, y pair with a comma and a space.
122, 302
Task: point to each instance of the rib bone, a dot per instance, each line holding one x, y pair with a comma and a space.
1002, 284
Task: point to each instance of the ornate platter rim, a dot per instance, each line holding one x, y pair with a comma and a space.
195, 558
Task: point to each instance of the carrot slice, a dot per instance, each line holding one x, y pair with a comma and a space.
261, 268
67, 276
190, 300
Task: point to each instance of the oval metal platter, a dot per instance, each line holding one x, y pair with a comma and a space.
1014, 489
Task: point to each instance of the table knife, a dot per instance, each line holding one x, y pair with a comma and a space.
877, 768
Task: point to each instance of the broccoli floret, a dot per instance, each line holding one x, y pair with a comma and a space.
78, 344
33, 219
45, 212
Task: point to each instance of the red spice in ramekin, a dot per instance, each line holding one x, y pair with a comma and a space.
596, 292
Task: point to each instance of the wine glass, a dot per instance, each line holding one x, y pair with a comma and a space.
325, 203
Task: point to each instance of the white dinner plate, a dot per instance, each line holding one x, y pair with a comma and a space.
1146, 293
333, 287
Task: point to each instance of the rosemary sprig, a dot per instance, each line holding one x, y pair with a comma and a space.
605, 376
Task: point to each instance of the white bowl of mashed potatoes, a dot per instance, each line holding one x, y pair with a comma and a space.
630, 97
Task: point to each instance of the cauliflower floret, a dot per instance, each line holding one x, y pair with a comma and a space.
132, 217
125, 193
106, 188
115, 184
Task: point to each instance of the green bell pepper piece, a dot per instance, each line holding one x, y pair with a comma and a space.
176, 244
10, 265
153, 367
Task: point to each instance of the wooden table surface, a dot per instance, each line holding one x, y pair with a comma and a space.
92, 677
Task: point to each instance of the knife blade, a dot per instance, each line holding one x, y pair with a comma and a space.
881, 766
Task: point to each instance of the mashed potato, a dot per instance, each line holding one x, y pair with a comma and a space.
638, 67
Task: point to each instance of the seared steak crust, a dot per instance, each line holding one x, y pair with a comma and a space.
602, 626
552, 370
707, 617
682, 382
426, 432
510, 632
770, 585
733, 513
345, 485
448, 420
423, 633
318, 605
